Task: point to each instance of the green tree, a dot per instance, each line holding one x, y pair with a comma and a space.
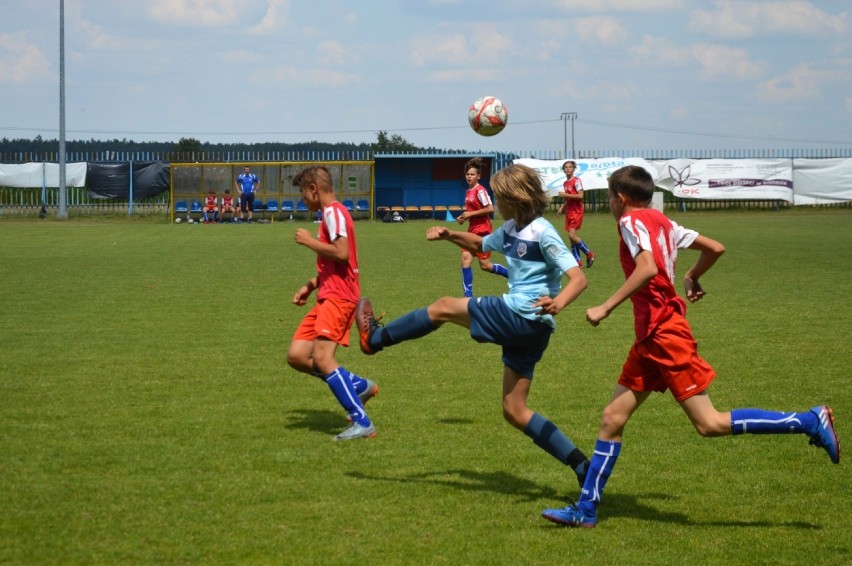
185, 148
394, 143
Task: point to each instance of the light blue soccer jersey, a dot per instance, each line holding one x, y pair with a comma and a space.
537, 258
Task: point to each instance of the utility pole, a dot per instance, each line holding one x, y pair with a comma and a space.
63, 190
565, 117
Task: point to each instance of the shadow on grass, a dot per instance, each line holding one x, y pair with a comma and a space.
493, 482
614, 505
316, 421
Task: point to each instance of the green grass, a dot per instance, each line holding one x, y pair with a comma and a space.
147, 414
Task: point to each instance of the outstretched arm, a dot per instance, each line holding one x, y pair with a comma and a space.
711, 250
645, 270
465, 240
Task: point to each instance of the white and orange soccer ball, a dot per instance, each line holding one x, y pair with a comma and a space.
487, 116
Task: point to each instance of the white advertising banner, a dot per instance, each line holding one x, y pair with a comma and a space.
592, 172
822, 181
765, 179
36, 175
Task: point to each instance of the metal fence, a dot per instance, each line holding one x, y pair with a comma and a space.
28, 201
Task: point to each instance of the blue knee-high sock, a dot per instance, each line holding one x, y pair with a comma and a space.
215, 216
358, 382
341, 386
548, 436
758, 421
407, 327
583, 247
467, 281
600, 468
575, 249
499, 270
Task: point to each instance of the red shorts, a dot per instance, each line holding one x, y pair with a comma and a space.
573, 220
667, 359
330, 319
483, 256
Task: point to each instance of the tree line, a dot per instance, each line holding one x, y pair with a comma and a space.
384, 144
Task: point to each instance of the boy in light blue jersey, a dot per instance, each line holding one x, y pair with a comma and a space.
521, 321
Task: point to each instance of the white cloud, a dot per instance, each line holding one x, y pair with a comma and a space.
603, 30
725, 61
296, 77
601, 6
332, 53
714, 60
20, 61
274, 19
485, 45
198, 13
660, 51
742, 19
802, 83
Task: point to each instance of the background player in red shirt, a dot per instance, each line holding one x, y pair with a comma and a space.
327, 324
477, 212
211, 204
572, 192
228, 205
664, 355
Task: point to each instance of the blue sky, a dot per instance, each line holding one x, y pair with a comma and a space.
640, 74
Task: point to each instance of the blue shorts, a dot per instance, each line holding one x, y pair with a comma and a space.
524, 341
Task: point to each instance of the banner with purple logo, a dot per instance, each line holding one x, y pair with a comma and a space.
765, 179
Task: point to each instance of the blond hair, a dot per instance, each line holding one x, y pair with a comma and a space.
519, 194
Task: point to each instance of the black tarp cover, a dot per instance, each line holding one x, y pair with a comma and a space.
112, 180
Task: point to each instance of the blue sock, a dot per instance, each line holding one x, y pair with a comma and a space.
407, 327
499, 270
575, 249
548, 436
341, 386
467, 281
758, 421
358, 382
583, 247
215, 216
600, 468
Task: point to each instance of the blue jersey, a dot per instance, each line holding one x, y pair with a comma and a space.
537, 258
247, 182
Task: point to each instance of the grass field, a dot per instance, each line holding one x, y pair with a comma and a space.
147, 414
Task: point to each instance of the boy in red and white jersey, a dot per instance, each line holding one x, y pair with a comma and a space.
477, 213
665, 353
211, 204
572, 192
326, 325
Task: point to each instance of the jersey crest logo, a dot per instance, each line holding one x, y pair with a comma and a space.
522, 249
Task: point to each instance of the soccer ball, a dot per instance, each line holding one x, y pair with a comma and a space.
487, 116
190, 221
178, 220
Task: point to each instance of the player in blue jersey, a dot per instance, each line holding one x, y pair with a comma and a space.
521, 321
246, 184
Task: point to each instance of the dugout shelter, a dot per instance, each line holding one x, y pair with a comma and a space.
425, 185
276, 198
